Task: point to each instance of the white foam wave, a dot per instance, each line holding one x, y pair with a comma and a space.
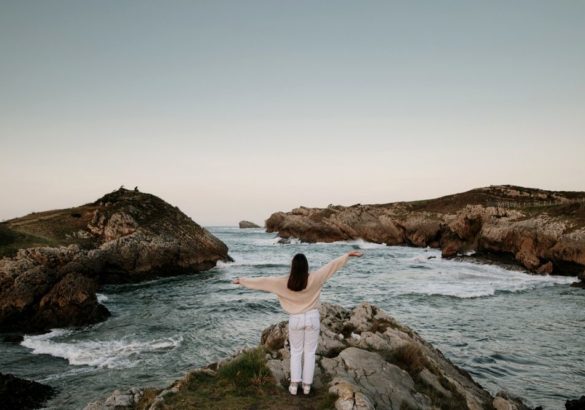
475, 281
359, 243
101, 354
101, 298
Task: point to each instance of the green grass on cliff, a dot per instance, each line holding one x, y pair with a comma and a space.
244, 383
11, 241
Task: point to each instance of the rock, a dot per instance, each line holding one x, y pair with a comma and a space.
506, 401
18, 393
128, 236
581, 283
248, 224
433, 381
395, 368
118, 400
532, 227
578, 404
12, 338
545, 269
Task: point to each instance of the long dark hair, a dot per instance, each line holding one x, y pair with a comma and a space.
299, 273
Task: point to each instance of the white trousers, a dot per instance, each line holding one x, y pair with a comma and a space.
303, 336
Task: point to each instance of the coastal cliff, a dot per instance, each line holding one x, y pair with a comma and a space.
543, 231
366, 359
54, 262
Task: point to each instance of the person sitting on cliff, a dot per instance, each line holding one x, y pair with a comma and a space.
299, 294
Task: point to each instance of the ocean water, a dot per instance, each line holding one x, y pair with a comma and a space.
510, 330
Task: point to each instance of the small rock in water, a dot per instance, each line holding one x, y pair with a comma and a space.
248, 224
18, 393
13, 338
578, 404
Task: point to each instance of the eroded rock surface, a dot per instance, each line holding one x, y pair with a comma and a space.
125, 236
543, 231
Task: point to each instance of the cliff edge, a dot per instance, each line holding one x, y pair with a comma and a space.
365, 360
543, 231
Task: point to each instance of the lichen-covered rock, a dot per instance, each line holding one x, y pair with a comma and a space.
128, 236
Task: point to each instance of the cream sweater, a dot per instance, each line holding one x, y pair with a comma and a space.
297, 302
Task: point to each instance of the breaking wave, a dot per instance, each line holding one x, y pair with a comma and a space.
124, 352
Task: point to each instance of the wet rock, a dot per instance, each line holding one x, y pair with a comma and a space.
12, 338
507, 401
545, 269
578, 404
23, 394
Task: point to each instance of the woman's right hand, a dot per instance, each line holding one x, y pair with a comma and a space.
355, 253
236, 281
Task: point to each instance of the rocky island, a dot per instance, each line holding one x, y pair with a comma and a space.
366, 360
543, 231
247, 225
54, 262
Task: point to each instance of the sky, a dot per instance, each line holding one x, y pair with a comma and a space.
234, 110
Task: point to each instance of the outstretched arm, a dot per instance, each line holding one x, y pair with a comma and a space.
266, 284
326, 271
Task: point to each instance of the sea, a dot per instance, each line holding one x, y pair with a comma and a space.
510, 330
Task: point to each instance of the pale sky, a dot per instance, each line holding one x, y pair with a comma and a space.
233, 110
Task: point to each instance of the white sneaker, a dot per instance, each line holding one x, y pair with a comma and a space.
292, 388
306, 388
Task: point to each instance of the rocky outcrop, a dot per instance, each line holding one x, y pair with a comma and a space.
578, 404
248, 224
543, 231
23, 394
366, 358
126, 236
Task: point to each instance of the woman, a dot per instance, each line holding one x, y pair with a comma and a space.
298, 294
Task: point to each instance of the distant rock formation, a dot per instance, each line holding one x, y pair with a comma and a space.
365, 358
23, 394
248, 224
55, 261
544, 231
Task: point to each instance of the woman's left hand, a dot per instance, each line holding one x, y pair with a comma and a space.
355, 253
236, 281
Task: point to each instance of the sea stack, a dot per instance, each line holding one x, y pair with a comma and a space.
53, 262
248, 224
